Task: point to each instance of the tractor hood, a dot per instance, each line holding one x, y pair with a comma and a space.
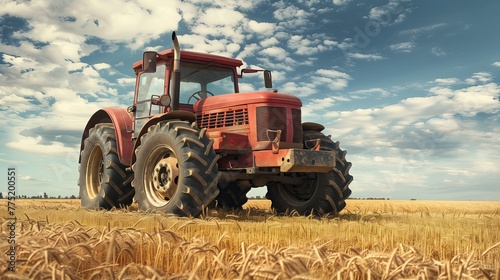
237, 99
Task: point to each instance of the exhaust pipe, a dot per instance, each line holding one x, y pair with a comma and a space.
175, 86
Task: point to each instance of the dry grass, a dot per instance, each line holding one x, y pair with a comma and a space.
369, 240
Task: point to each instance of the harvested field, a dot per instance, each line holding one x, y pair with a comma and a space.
370, 239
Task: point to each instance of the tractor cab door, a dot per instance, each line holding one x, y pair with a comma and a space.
150, 87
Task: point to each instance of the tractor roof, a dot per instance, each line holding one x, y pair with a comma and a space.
194, 57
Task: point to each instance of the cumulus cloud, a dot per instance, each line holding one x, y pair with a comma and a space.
310, 44
276, 52
331, 78
298, 89
497, 64
271, 41
289, 15
261, 28
437, 119
68, 25
479, 78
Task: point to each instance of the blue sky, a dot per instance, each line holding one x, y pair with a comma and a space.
409, 88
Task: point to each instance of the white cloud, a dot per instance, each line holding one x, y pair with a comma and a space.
369, 57
101, 66
261, 28
437, 51
300, 90
26, 178
405, 47
480, 77
246, 87
476, 99
290, 16
310, 44
222, 17
271, 41
442, 91
333, 79
34, 145
333, 74
391, 13
365, 93
68, 25
447, 81
417, 117
340, 2
424, 29
275, 52
497, 64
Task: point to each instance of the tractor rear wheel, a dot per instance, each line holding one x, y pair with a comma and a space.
321, 193
103, 181
175, 169
231, 196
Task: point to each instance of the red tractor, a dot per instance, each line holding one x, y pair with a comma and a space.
192, 140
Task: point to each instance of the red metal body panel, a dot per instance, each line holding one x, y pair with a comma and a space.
221, 104
264, 158
287, 160
122, 121
231, 142
228, 100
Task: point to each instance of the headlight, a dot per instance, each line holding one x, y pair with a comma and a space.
165, 100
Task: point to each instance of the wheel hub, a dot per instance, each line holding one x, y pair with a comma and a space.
165, 177
94, 172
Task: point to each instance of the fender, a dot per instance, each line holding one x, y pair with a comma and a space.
173, 115
308, 126
122, 122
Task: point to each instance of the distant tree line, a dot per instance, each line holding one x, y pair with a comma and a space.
370, 198
44, 196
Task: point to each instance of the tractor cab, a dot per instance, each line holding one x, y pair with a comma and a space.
201, 76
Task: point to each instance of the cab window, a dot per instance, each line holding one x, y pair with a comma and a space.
203, 80
150, 84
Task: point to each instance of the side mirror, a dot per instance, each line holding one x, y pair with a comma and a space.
149, 62
268, 80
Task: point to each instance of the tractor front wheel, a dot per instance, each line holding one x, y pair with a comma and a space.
104, 182
321, 193
175, 169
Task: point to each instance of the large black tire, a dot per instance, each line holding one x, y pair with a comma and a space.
103, 181
175, 171
322, 193
231, 196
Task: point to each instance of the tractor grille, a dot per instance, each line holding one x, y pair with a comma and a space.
273, 118
297, 126
223, 119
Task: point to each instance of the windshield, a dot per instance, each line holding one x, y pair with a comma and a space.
202, 80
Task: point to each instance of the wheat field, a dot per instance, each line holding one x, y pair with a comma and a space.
370, 239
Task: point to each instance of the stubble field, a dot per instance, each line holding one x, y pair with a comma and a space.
370, 239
